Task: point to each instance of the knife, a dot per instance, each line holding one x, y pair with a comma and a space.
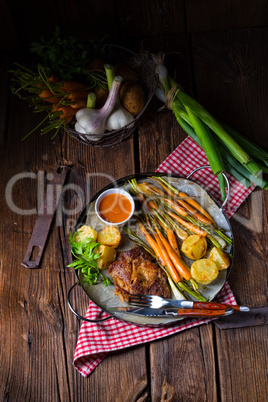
184, 312
193, 304
198, 305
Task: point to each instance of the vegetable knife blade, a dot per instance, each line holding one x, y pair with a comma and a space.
173, 312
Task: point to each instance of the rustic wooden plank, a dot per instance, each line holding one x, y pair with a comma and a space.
8, 37
209, 15
183, 368
231, 89
231, 72
3, 95
84, 20
139, 19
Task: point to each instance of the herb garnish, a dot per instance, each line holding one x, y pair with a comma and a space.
86, 256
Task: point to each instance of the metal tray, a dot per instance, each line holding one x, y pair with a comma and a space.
104, 296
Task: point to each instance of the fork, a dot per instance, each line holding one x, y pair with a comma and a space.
158, 302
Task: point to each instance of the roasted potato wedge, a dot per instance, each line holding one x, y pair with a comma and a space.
86, 231
194, 247
109, 236
204, 271
220, 258
107, 257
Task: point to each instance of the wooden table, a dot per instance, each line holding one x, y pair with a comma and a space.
226, 70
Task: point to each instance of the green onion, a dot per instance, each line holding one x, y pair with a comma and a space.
207, 143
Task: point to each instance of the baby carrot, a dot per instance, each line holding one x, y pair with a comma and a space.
197, 206
152, 243
177, 262
167, 190
48, 96
176, 207
173, 241
66, 113
194, 212
188, 225
167, 260
79, 104
72, 86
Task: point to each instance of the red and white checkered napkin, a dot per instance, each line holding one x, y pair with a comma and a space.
97, 339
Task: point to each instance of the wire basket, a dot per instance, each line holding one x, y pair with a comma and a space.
117, 55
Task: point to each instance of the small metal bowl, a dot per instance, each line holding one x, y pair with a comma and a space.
117, 55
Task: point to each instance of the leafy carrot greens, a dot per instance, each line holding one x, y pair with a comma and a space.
86, 256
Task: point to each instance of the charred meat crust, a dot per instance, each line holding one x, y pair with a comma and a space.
135, 272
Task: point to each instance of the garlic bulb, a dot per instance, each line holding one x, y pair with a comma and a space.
93, 121
119, 118
79, 129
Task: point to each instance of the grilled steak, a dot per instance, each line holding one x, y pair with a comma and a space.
135, 272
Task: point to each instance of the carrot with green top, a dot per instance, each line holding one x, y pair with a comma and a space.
157, 250
192, 211
176, 207
167, 259
177, 262
197, 206
173, 241
188, 225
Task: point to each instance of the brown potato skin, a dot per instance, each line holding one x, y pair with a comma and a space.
107, 257
132, 97
109, 236
220, 258
194, 247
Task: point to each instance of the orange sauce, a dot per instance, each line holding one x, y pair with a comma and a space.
115, 208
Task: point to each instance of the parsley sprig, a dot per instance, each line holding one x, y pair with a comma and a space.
86, 256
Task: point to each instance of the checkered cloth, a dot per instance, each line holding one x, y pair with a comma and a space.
96, 340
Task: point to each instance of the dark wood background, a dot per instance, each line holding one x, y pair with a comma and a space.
219, 54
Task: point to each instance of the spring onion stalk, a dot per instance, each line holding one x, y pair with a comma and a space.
207, 144
248, 161
234, 148
237, 170
251, 148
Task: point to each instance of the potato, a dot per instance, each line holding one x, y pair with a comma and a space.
194, 247
132, 97
86, 231
107, 257
204, 271
109, 236
220, 258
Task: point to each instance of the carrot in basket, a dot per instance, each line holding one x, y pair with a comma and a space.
72, 86
65, 113
188, 225
48, 96
177, 262
79, 104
